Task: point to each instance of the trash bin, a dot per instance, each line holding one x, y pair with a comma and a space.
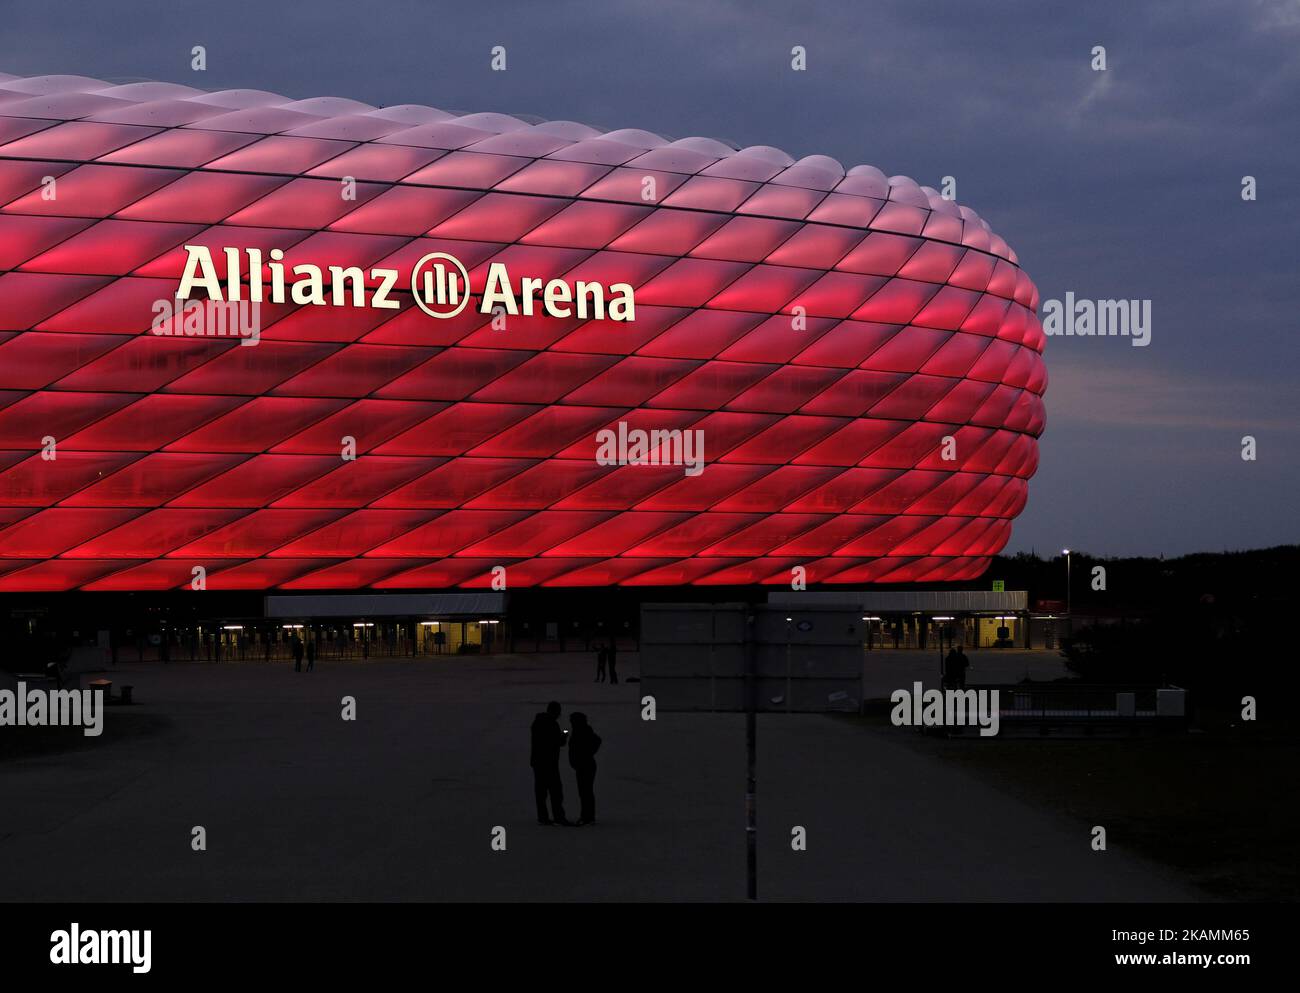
102, 684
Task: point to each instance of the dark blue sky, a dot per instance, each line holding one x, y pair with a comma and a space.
1122, 184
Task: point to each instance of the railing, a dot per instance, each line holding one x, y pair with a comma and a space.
1066, 700
1074, 703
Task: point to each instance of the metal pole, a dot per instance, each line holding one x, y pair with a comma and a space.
751, 757
941, 656
751, 804
1068, 593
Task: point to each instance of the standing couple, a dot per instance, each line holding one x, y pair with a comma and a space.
607, 658
548, 738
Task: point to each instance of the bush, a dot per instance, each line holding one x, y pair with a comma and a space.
1220, 657
1122, 653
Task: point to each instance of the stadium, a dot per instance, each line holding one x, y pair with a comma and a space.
476, 444
860, 357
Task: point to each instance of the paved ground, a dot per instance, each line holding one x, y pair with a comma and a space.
400, 805
887, 670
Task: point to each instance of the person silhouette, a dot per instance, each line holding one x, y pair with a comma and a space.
960, 664
547, 740
311, 655
583, 745
612, 656
602, 660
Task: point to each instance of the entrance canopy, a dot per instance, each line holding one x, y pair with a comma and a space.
912, 601
483, 604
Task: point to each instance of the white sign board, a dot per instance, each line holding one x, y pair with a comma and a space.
805, 660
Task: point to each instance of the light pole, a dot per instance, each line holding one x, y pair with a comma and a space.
1066, 553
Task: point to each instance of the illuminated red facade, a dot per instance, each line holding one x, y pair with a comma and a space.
826, 330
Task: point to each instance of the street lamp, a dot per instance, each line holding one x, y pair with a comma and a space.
1066, 553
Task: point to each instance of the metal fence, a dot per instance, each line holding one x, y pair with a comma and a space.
1023, 700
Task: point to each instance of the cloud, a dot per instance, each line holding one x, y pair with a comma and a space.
1122, 396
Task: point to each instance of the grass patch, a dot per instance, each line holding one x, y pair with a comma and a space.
1218, 807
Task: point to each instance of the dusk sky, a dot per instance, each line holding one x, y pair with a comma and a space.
1117, 184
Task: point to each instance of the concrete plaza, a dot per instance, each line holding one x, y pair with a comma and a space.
401, 803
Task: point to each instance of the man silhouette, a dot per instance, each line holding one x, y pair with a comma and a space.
960, 665
613, 661
547, 740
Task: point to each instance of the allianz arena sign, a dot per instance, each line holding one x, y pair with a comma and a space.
440, 285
